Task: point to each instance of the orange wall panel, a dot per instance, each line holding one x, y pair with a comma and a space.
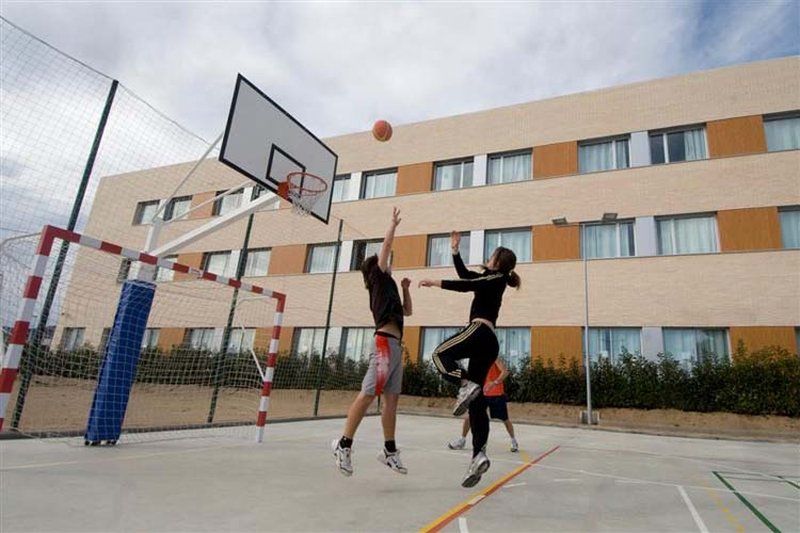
193, 259
169, 337
414, 178
757, 337
551, 242
756, 228
285, 340
410, 251
205, 211
261, 339
555, 342
736, 136
551, 160
411, 339
289, 259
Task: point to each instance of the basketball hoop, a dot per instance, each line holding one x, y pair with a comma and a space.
302, 190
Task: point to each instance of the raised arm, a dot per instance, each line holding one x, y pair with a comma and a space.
388, 239
463, 271
407, 306
465, 285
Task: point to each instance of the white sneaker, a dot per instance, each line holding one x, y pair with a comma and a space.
479, 465
514, 445
392, 460
468, 392
457, 444
343, 458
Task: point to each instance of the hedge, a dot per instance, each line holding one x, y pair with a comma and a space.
763, 382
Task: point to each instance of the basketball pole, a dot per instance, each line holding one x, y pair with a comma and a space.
321, 368
41, 328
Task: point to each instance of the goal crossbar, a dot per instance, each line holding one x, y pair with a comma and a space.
22, 326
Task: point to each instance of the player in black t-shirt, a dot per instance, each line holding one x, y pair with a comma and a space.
477, 343
385, 373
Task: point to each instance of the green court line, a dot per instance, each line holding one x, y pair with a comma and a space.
747, 504
790, 482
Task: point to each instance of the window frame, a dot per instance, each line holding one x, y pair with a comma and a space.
147, 338
603, 140
170, 276
219, 202
498, 230
346, 331
251, 251
422, 333
365, 178
458, 161
355, 264
787, 209
188, 338
695, 329
617, 223
341, 178
169, 210
613, 357
463, 234
251, 338
502, 156
309, 253
660, 251
525, 357
226, 273
73, 342
666, 131
138, 215
773, 117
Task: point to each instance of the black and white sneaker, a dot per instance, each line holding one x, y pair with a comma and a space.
479, 465
392, 460
343, 458
468, 392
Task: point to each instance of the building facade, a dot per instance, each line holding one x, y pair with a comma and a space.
698, 176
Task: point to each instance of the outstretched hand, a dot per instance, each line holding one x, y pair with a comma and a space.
396, 217
427, 283
405, 283
455, 240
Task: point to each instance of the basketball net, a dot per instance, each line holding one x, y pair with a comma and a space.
302, 190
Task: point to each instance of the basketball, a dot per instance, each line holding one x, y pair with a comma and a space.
382, 130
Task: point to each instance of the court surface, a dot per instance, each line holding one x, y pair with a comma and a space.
565, 479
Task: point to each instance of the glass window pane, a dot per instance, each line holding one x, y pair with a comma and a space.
782, 134
517, 240
681, 345
712, 343
516, 168
494, 170
439, 253
627, 248
433, 337
165, 274
448, 176
595, 157
321, 258
600, 240
623, 158
689, 235
257, 262
466, 180
790, 228
657, 149
380, 185
515, 345
676, 146
219, 263
358, 343
310, 341
341, 188
226, 204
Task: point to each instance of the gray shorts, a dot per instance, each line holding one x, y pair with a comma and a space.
385, 371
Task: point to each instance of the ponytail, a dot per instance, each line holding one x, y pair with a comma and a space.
514, 280
505, 261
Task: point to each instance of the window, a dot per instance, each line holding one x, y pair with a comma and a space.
124, 270
594, 156
72, 338
199, 338
241, 340
687, 235
357, 343
612, 343
681, 145
506, 168
613, 239
518, 240
104, 339
433, 337
515, 345
321, 258
688, 345
257, 262
439, 253
166, 274
379, 184
145, 211
219, 263
228, 203
177, 207
452, 175
309, 341
341, 188
150, 339
790, 227
362, 250
782, 132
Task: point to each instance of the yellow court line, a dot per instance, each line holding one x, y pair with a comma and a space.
732, 519
476, 498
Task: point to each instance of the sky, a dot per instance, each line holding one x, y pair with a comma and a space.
338, 67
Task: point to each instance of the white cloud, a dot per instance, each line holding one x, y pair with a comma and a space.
338, 66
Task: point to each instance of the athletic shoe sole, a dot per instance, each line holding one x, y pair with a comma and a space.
455, 447
472, 479
462, 407
384, 462
334, 447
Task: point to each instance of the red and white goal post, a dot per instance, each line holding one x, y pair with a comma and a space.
20, 334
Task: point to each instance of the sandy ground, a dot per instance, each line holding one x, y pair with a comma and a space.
56, 405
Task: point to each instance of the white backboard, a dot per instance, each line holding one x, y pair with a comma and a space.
265, 143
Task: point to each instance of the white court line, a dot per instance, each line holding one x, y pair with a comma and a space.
516, 485
697, 520
462, 525
565, 479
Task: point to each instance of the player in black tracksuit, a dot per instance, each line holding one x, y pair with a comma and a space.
477, 342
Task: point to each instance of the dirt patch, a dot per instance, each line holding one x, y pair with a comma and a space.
655, 421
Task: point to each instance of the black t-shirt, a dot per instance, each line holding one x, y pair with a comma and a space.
488, 287
384, 298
